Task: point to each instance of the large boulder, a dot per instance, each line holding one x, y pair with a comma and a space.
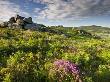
4, 24
28, 20
12, 20
18, 17
14, 25
20, 22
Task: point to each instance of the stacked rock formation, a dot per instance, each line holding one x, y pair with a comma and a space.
20, 22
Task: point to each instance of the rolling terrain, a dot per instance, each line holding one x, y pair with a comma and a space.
29, 56
103, 32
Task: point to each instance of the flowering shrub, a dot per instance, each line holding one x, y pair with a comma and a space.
65, 70
27, 56
67, 66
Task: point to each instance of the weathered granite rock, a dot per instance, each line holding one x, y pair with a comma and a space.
21, 22
18, 17
12, 20
10, 25
28, 20
4, 24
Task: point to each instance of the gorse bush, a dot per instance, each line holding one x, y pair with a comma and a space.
53, 54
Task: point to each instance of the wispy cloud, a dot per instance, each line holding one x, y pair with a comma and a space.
8, 9
62, 9
56, 10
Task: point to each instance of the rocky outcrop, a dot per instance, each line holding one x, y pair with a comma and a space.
12, 20
33, 26
28, 20
21, 22
4, 24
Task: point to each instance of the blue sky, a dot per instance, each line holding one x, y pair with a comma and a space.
59, 12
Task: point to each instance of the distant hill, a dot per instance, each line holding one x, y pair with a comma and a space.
93, 28
97, 30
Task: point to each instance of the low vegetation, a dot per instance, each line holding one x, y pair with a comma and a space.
53, 54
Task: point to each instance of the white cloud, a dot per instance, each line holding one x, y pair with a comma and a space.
62, 9
9, 9
36, 10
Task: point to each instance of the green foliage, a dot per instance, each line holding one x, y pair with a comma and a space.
28, 56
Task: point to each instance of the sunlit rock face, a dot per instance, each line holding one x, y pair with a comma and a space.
21, 22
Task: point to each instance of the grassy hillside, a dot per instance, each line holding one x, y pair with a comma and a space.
97, 30
29, 56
